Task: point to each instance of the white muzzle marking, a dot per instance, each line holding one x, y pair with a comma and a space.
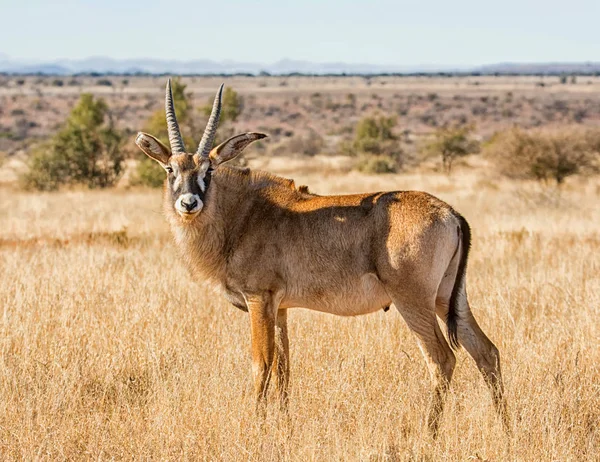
188, 199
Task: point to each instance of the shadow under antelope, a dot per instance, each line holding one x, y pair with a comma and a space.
269, 246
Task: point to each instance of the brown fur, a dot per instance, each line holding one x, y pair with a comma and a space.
268, 246
272, 247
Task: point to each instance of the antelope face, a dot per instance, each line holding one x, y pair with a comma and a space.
188, 175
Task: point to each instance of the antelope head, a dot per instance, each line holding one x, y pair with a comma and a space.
189, 174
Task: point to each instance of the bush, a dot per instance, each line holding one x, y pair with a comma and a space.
545, 155
46, 169
374, 137
148, 173
87, 150
452, 142
372, 131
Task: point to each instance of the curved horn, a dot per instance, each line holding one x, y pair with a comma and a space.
211, 127
177, 146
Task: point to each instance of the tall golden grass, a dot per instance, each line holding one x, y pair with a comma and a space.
108, 350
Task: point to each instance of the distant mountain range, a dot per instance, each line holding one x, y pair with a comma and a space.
106, 65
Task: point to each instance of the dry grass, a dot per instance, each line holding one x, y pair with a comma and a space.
109, 351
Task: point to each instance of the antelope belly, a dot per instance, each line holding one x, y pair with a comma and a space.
363, 295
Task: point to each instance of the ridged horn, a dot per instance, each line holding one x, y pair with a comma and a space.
175, 139
211, 127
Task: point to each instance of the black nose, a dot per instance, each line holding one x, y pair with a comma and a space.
191, 205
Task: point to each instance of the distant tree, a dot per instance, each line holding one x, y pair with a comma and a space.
87, 150
452, 142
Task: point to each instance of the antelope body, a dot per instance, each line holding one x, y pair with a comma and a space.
269, 246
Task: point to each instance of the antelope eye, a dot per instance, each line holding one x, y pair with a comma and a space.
169, 169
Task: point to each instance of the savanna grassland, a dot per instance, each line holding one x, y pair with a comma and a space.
109, 350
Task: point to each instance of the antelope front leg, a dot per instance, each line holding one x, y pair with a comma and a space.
262, 325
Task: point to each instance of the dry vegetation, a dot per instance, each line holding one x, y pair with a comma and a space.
109, 351
293, 107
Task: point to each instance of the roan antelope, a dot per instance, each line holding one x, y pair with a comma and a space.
270, 246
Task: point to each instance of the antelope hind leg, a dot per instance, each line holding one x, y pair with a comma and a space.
421, 319
282, 359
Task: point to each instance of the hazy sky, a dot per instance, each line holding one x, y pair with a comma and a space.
377, 32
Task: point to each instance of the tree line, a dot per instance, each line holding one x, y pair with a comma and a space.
90, 150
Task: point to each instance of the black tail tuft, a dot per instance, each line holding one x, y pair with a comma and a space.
453, 314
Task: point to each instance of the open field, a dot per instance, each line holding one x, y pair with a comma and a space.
109, 351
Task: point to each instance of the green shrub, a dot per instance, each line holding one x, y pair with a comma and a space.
47, 169
148, 173
374, 137
371, 130
87, 150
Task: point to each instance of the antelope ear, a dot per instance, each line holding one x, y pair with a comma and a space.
231, 148
153, 148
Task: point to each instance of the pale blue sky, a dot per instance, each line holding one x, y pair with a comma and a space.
378, 31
